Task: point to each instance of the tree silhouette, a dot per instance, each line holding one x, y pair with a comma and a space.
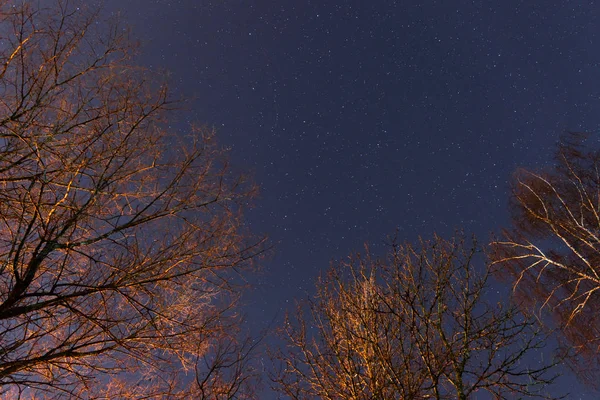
120, 242
415, 325
553, 249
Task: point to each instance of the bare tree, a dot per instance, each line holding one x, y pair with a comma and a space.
120, 242
553, 250
413, 326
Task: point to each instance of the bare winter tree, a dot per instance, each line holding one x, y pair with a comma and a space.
553, 250
414, 326
120, 242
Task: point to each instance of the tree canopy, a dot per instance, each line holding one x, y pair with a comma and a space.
552, 250
120, 241
414, 325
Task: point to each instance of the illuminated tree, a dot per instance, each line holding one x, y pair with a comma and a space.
553, 249
120, 242
413, 326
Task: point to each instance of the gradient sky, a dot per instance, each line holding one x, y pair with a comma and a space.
357, 118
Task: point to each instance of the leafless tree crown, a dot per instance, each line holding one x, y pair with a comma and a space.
552, 252
413, 326
118, 239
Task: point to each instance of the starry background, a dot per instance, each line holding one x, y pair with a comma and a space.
362, 118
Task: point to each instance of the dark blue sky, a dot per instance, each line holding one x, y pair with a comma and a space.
358, 118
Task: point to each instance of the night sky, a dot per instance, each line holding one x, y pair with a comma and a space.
360, 118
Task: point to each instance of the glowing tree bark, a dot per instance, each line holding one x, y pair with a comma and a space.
413, 326
553, 250
119, 241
